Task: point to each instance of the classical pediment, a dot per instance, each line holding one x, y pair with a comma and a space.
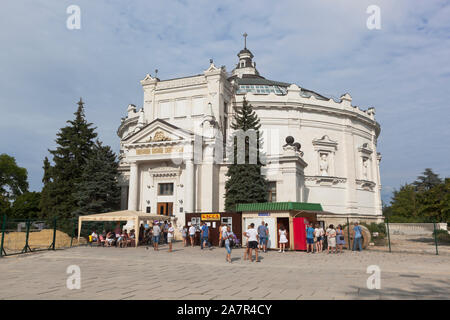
159, 131
325, 143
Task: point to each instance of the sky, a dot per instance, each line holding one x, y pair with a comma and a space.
401, 69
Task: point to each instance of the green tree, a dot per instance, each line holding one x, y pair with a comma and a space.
45, 199
405, 205
26, 206
435, 202
99, 191
13, 179
5, 206
427, 181
245, 182
74, 147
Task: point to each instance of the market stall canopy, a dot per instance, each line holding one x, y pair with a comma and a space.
124, 215
279, 206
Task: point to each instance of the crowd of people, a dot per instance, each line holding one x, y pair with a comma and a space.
117, 238
334, 237
316, 237
257, 238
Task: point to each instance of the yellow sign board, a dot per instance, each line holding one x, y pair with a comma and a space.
210, 216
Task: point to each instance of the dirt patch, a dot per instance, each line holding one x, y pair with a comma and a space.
15, 241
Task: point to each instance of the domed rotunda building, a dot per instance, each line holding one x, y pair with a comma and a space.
318, 150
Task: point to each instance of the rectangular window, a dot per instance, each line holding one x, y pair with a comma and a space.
198, 106
228, 221
180, 108
272, 196
165, 110
195, 221
165, 189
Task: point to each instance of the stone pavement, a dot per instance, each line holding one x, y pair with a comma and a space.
191, 273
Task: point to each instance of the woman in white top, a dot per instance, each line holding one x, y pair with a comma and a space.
283, 238
331, 238
318, 234
184, 232
252, 243
170, 234
192, 234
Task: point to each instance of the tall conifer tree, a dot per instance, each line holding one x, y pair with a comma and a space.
245, 182
74, 147
99, 190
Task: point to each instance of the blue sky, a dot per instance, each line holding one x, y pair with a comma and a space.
402, 70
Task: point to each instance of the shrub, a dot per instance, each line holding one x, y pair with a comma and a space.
376, 227
442, 236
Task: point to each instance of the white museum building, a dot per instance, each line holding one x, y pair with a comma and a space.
318, 150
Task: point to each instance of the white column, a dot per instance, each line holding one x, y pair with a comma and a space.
189, 186
134, 187
351, 168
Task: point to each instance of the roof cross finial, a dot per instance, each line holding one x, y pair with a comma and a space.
245, 40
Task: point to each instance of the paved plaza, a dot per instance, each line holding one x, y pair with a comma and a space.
191, 273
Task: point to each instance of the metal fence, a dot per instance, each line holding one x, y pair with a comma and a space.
22, 236
28, 235
384, 236
425, 238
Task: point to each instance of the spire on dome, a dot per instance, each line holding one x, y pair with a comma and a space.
245, 64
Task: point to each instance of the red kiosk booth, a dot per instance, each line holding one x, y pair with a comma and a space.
294, 216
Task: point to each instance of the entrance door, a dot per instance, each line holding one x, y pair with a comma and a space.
285, 223
165, 208
299, 224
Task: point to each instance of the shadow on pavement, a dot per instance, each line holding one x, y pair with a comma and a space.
418, 291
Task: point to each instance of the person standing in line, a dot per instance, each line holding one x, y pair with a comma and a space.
340, 240
156, 235
141, 232
223, 229
357, 234
310, 238
246, 256
228, 237
204, 237
283, 238
165, 231
331, 239
318, 233
252, 242
192, 234
170, 234
184, 233
262, 233
220, 235
322, 238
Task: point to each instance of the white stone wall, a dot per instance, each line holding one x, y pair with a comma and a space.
346, 135
415, 228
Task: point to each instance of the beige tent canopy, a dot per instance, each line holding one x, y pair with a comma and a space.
124, 215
